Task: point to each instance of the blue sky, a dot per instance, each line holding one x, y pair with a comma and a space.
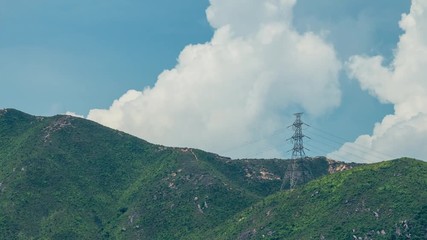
78, 56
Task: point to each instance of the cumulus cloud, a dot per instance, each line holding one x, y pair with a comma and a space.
236, 87
73, 114
402, 83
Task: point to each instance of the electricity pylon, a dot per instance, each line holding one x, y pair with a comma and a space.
298, 153
298, 138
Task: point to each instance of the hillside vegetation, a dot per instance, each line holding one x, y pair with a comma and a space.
386, 200
69, 178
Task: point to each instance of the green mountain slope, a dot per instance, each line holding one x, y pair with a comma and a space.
68, 178
386, 200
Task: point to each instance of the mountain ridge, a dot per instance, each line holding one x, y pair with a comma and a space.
64, 177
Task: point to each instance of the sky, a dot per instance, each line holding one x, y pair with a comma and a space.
226, 76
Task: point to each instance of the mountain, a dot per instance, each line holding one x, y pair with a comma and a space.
386, 200
63, 177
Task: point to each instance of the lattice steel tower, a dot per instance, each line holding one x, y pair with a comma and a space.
297, 171
298, 138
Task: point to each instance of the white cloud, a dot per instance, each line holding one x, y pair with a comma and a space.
73, 114
235, 88
402, 83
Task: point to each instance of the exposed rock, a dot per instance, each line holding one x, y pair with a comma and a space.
161, 148
315, 193
172, 185
335, 166
57, 125
265, 175
184, 150
376, 214
200, 208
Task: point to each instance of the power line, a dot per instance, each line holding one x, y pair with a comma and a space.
250, 142
298, 151
355, 155
355, 146
360, 154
